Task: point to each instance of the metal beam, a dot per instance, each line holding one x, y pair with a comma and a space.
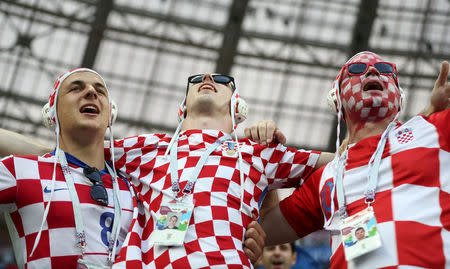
104, 7
232, 33
360, 42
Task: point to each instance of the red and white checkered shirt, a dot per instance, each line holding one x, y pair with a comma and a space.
25, 185
412, 202
216, 230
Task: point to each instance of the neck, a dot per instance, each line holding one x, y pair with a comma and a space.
87, 147
221, 123
361, 130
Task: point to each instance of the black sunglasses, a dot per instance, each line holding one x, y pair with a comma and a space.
222, 79
98, 191
384, 68
361, 68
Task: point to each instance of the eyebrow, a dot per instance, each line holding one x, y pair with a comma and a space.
80, 82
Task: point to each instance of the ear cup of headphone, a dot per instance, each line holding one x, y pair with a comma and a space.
241, 110
46, 118
402, 98
332, 101
182, 110
114, 111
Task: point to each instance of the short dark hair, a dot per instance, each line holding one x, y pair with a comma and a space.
293, 249
360, 228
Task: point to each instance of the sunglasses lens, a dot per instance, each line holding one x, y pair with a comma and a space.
196, 79
384, 68
357, 68
92, 174
221, 79
99, 194
98, 191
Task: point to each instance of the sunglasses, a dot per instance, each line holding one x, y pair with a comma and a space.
98, 191
384, 68
222, 79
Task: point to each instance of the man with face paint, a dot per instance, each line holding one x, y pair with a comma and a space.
396, 174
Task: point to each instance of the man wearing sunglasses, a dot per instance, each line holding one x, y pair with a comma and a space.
69, 208
392, 178
204, 166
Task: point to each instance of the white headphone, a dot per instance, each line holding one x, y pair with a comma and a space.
50, 123
238, 108
49, 110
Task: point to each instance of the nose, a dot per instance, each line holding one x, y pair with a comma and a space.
90, 91
207, 78
372, 71
277, 250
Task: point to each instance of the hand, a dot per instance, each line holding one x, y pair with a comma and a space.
254, 241
440, 96
264, 132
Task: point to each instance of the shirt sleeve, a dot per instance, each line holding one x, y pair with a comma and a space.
8, 182
287, 167
442, 122
129, 151
302, 208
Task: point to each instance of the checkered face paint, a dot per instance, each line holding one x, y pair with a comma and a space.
369, 97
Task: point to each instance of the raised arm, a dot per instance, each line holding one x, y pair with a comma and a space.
15, 143
266, 131
440, 96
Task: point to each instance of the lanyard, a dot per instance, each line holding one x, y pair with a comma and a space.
372, 177
80, 234
193, 177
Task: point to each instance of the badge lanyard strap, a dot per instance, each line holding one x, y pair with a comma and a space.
372, 177
79, 226
193, 177
117, 215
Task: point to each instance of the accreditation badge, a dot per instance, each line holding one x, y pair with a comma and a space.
359, 234
172, 223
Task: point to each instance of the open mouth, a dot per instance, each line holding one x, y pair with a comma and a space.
207, 86
373, 85
91, 109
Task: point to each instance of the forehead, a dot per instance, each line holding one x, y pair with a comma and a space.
85, 77
366, 57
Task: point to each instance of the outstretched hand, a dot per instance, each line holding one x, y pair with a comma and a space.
264, 132
440, 96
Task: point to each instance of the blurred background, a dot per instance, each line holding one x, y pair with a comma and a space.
284, 55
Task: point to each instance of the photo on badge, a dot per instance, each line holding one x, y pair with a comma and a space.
360, 235
172, 224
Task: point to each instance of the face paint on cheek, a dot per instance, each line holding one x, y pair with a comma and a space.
364, 106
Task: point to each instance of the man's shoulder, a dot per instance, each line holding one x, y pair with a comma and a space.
141, 140
44, 158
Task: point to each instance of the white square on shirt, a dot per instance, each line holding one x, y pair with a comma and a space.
446, 245
32, 170
423, 211
64, 236
33, 211
444, 170
204, 185
221, 228
231, 256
